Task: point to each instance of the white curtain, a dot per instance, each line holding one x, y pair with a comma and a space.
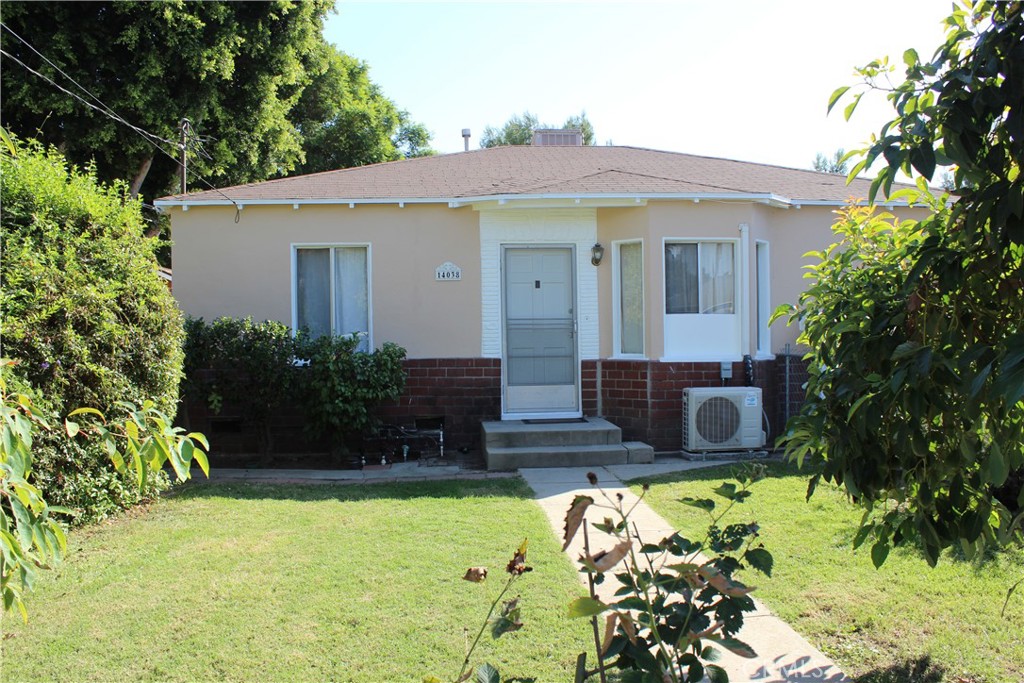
717, 278
313, 272
351, 303
631, 298
681, 278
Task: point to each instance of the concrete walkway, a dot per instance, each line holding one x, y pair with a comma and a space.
783, 655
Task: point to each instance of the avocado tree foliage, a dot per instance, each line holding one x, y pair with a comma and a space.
915, 401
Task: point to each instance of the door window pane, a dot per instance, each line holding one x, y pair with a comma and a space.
631, 298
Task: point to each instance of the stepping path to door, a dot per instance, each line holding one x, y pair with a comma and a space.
783, 655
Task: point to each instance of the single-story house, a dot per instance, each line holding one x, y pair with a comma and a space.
532, 282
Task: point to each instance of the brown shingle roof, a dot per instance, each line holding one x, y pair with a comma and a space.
532, 171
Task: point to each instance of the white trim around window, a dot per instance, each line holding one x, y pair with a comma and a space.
703, 313
628, 293
762, 261
334, 314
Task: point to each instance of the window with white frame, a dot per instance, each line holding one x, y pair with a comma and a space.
629, 298
332, 291
764, 310
700, 277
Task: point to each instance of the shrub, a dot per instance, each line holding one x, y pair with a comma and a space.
83, 312
247, 365
342, 386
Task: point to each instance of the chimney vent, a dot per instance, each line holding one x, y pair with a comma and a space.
465, 137
555, 137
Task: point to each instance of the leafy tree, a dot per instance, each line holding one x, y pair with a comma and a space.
518, 130
915, 401
345, 120
834, 164
83, 312
234, 70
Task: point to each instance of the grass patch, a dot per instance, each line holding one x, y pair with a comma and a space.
243, 582
903, 623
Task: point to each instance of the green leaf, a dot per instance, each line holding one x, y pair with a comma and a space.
848, 112
585, 607
735, 646
857, 404
71, 428
910, 58
834, 97
716, 674
700, 503
726, 490
86, 411
904, 350
879, 551
485, 673
997, 466
760, 559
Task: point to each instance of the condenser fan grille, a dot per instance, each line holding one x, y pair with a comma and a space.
717, 420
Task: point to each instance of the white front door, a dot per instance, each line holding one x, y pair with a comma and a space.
540, 363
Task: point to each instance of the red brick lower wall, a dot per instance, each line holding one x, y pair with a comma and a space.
644, 398
462, 391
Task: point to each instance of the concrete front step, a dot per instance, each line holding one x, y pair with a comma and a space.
591, 431
556, 456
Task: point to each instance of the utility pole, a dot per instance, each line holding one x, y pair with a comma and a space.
183, 146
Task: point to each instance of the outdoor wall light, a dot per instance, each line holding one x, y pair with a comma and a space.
596, 254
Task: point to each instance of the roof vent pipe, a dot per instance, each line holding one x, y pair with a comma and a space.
465, 137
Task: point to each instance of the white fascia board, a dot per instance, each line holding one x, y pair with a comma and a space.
837, 202
505, 200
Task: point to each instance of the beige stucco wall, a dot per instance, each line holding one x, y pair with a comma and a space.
239, 269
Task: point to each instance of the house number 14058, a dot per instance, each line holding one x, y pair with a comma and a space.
448, 272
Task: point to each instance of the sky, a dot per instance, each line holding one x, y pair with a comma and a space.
740, 79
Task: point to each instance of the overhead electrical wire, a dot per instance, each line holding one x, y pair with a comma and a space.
150, 138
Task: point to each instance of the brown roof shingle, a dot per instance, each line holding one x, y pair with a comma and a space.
532, 171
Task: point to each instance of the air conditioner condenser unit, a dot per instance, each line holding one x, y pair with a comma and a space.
722, 419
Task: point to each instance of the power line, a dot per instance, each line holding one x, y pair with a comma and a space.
110, 113
104, 108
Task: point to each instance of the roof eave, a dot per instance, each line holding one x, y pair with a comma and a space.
514, 200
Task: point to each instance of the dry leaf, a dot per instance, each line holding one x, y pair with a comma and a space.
722, 584
606, 559
476, 574
610, 623
574, 517
517, 565
629, 627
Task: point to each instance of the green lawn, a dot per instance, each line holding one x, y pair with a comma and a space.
903, 623
300, 583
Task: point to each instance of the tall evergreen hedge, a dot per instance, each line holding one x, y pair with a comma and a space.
84, 312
